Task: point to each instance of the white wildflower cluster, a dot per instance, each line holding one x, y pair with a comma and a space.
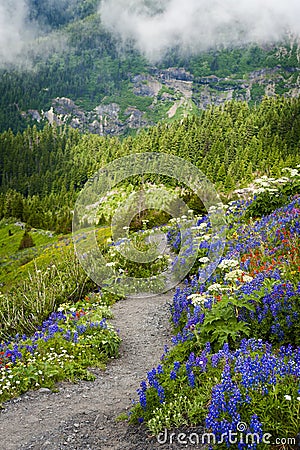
228, 264
268, 184
202, 234
293, 172
66, 307
204, 237
233, 275
181, 219
163, 414
10, 376
216, 287
119, 243
204, 260
198, 299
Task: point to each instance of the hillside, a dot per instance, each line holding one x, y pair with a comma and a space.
87, 80
149, 196
43, 171
234, 352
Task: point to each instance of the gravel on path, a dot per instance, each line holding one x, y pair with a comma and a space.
83, 416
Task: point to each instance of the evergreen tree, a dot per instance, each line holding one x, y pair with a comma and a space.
26, 241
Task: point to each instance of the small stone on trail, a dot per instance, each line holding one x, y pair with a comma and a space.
44, 391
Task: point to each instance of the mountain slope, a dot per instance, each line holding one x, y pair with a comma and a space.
87, 81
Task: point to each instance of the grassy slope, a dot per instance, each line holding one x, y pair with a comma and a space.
15, 264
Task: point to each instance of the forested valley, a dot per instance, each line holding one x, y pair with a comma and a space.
42, 171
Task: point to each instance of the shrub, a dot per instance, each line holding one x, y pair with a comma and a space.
266, 202
25, 306
26, 241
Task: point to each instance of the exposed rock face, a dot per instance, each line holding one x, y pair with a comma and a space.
174, 73
170, 91
35, 114
146, 85
52, 117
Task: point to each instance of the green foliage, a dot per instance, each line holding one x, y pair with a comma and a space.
28, 303
266, 202
221, 323
56, 357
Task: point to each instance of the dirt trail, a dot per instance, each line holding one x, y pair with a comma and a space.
82, 416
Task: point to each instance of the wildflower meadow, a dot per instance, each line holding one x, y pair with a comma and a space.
234, 363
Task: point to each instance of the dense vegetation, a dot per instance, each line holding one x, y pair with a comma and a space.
90, 69
235, 353
41, 171
234, 362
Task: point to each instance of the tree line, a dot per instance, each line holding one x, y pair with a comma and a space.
42, 171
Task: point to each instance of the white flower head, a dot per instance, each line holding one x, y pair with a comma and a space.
216, 287
293, 172
110, 264
288, 397
259, 191
247, 278
197, 299
228, 264
204, 260
233, 275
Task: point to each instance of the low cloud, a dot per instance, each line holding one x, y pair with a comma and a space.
15, 33
21, 39
196, 25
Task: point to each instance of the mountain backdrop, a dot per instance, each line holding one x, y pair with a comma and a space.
69, 63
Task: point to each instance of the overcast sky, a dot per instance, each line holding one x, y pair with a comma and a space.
196, 25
